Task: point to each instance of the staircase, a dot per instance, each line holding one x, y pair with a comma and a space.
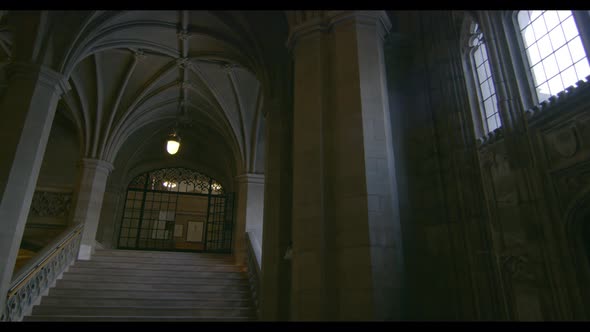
128, 285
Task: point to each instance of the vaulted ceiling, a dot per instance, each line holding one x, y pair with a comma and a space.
210, 71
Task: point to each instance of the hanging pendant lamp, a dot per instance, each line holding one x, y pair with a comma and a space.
173, 143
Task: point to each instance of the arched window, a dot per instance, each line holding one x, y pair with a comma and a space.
554, 49
176, 209
486, 91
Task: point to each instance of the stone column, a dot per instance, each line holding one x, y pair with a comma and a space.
110, 216
27, 112
250, 206
275, 278
91, 184
346, 255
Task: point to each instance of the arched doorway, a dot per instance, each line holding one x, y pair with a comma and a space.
177, 209
578, 232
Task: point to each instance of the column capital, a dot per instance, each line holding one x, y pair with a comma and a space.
97, 164
250, 178
305, 22
46, 76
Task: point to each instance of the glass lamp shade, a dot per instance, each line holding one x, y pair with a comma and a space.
173, 144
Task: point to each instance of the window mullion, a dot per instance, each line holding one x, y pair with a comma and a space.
485, 87
582, 19
472, 81
518, 81
552, 47
501, 83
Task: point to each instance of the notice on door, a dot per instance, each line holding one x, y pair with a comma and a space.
194, 231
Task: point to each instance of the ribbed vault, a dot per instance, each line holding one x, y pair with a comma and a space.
132, 70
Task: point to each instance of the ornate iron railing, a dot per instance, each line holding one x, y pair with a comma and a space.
253, 273
40, 273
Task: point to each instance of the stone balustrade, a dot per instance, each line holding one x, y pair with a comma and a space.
40, 274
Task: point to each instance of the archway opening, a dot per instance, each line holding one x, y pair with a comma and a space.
177, 209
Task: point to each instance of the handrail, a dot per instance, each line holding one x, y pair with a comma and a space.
253, 272
42, 259
36, 276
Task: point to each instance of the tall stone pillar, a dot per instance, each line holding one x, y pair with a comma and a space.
110, 215
250, 207
346, 256
27, 112
91, 184
275, 278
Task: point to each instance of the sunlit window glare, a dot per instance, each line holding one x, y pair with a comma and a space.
554, 49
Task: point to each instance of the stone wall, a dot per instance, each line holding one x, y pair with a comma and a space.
55, 185
489, 228
544, 272
51, 206
448, 268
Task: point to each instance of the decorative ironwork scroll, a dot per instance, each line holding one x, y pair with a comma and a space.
177, 180
51, 204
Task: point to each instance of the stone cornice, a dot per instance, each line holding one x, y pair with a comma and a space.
545, 110
491, 138
46, 76
54, 189
250, 178
306, 22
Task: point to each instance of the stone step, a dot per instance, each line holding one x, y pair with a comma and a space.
157, 273
141, 294
127, 285
140, 285
91, 310
172, 268
159, 254
76, 268
144, 302
169, 260
194, 279
72, 318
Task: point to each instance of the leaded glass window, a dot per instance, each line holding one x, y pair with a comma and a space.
554, 49
490, 116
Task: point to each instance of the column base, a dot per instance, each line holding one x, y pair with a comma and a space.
85, 252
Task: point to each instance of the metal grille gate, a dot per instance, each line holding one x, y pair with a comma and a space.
220, 223
176, 209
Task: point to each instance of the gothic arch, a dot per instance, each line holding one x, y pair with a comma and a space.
176, 209
577, 227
